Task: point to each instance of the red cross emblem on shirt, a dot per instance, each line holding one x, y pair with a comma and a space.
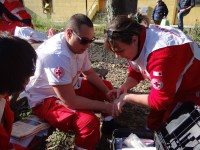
157, 84
59, 72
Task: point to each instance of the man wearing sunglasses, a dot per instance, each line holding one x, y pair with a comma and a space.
56, 92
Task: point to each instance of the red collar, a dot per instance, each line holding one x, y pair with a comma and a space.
142, 38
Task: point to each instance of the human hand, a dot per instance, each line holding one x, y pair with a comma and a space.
115, 93
108, 109
111, 95
182, 10
120, 91
118, 105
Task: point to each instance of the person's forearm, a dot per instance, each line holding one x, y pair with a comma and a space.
82, 103
69, 99
188, 8
97, 82
130, 83
137, 99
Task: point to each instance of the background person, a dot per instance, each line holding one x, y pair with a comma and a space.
183, 7
165, 56
58, 93
160, 11
17, 64
13, 14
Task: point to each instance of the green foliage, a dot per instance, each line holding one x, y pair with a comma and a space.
195, 33
99, 31
100, 18
99, 21
110, 11
20, 107
25, 113
60, 140
43, 25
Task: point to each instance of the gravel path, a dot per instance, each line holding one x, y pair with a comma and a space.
117, 68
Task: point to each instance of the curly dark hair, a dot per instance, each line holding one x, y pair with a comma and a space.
17, 63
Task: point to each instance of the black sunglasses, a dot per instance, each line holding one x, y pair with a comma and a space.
84, 40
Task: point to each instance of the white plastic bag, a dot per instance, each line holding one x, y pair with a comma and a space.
133, 141
29, 34
165, 22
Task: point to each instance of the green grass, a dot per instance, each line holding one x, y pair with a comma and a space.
99, 30
43, 25
100, 18
60, 141
100, 21
195, 33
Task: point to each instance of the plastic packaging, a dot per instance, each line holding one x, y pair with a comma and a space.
133, 141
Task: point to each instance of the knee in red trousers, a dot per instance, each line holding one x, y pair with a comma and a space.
87, 130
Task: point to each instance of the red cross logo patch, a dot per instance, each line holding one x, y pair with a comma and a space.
59, 72
157, 84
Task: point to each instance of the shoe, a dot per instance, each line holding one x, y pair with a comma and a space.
109, 126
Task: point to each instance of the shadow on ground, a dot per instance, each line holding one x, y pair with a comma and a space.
133, 117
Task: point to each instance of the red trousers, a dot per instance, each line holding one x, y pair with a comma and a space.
85, 124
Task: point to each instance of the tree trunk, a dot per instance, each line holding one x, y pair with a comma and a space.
120, 7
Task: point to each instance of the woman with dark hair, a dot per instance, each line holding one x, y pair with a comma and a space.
17, 64
159, 12
165, 56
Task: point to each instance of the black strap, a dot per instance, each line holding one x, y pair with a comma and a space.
4, 10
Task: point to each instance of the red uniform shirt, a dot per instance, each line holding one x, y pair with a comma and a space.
13, 14
16, 8
172, 70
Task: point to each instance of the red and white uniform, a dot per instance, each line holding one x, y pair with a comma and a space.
57, 65
6, 122
15, 7
171, 61
6, 126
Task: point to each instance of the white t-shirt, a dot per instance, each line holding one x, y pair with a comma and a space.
56, 65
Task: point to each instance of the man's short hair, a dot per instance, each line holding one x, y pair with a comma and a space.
76, 21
